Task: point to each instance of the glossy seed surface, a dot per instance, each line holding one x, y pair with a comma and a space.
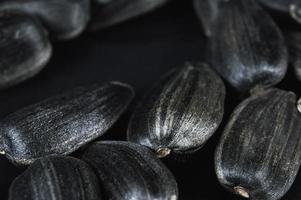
56, 178
207, 11
62, 124
117, 11
259, 153
130, 171
65, 19
247, 47
24, 46
181, 112
294, 46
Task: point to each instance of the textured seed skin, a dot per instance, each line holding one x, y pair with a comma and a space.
130, 171
54, 178
259, 153
65, 19
117, 11
181, 112
24, 46
247, 47
292, 7
294, 46
207, 11
62, 124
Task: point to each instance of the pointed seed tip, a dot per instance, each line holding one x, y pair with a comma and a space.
241, 191
2, 152
163, 152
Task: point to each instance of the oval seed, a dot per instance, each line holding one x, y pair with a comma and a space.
247, 47
65, 19
181, 112
130, 171
25, 48
54, 178
259, 153
60, 125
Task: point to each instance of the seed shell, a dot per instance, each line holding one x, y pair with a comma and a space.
62, 124
54, 178
259, 153
247, 47
65, 19
130, 171
25, 48
117, 11
181, 112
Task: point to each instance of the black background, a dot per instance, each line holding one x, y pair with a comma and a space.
137, 52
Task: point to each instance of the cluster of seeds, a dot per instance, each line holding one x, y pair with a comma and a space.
259, 153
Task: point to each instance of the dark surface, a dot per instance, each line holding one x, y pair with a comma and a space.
136, 52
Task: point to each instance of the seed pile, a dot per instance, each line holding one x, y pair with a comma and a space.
259, 152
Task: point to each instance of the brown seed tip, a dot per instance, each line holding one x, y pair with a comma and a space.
163, 152
299, 105
241, 191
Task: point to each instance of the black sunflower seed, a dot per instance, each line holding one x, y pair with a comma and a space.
130, 171
65, 19
247, 47
259, 153
62, 124
24, 46
55, 178
181, 112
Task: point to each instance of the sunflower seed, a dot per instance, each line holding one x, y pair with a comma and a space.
181, 112
62, 124
247, 47
118, 11
259, 153
54, 178
130, 171
25, 48
65, 19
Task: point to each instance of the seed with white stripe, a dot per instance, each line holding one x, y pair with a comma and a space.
181, 112
247, 47
54, 178
130, 171
62, 124
259, 153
